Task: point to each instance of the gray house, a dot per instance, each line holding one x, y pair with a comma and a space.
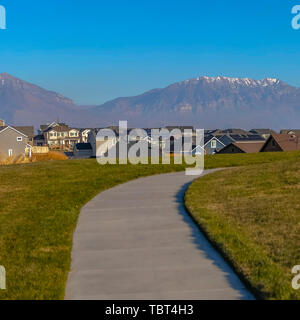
13, 142
212, 144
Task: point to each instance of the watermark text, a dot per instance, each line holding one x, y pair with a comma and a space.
2, 17
137, 146
296, 18
2, 278
296, 279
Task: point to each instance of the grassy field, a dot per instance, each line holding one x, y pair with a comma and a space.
39, 207
252, 214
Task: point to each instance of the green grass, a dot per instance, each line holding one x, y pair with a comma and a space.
252, 214
39, 207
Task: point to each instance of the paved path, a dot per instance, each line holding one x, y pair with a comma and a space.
136, 241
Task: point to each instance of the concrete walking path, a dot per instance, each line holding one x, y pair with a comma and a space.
136, 241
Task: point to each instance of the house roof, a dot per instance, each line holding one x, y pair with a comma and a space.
27, 130
60, 128
83, 146
290, 131
249, 147
48, 127
209, 138
234, 131
13, 128
228, 138
246, 137
287, 142
263, 131
225, 139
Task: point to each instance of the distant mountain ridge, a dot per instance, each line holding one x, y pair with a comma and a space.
215, 102
205, 102
23, 103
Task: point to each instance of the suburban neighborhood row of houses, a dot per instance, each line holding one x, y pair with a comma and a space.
82, 142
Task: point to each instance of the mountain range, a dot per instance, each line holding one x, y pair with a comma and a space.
205, 102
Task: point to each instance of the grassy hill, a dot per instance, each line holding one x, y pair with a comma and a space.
40, 204
252, 214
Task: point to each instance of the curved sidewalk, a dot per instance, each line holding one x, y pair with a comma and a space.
136, 241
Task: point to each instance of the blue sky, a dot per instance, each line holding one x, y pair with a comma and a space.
95, 50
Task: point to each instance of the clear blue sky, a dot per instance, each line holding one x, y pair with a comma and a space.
96, 50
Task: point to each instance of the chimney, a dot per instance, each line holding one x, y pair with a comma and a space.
2, 123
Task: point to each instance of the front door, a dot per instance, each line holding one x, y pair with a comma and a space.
10, 152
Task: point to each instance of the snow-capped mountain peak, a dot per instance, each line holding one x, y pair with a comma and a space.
236, 81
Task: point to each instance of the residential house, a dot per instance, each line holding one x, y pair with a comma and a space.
228, 139
13, 142
282, 142
60, 136
242, 147
212, 144
84, 133
28, 131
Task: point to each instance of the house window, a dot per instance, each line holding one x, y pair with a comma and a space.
10, 152
213, 144
19, 139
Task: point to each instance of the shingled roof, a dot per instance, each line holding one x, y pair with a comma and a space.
287, 142
249, 147
27, 130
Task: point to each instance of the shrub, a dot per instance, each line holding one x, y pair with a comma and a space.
52, 155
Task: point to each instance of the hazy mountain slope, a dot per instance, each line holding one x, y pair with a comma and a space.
22, 103
204, 102
213, 102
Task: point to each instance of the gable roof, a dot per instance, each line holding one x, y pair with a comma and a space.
58, 128
27, 130
287, 142
249, 147
212, 138
2, 129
